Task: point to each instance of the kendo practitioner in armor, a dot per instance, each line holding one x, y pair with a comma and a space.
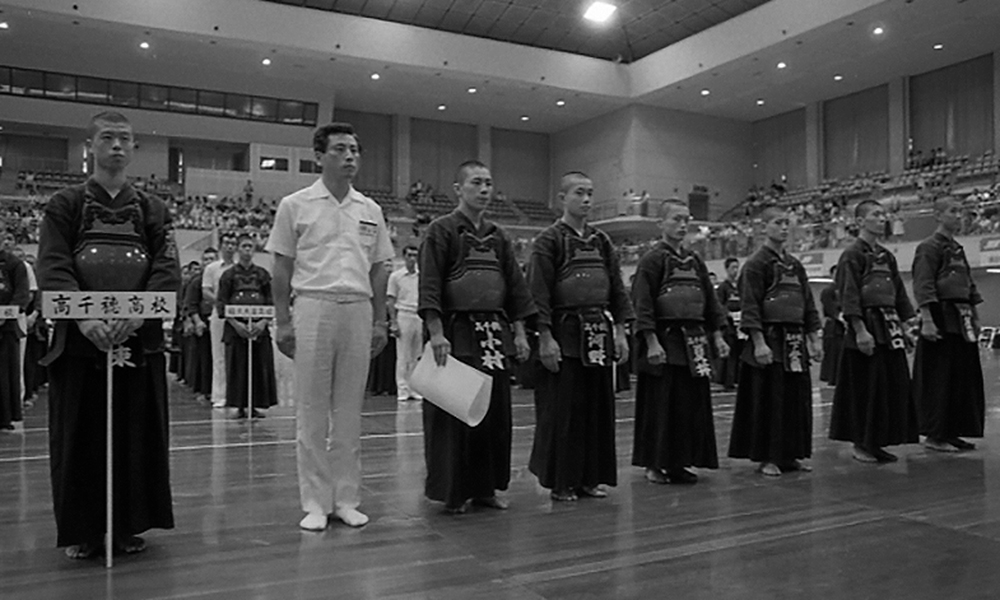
576, 282
834, 330
106, 235
947, 374
872, 406
247, 284
14, 290
772, 424
729, 297
199, 341
474, 302
677, 313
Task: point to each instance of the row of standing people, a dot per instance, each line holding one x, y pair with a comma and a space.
211, 344
330, 244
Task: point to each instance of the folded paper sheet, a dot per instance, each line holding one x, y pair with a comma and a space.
456, 388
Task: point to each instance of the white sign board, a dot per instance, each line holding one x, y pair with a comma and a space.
250, 311
108, 305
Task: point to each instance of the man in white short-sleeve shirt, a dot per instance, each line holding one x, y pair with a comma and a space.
329, 243
210, 278
403, 295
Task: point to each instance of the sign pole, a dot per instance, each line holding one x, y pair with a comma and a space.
88, 305
109, 465
250, 382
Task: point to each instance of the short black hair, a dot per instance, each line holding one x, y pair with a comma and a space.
861, 210
209, 249
460, 172
245, 236
107, 116
667, 205
731, 260
409, 247
229, 235
321, 137
570, 174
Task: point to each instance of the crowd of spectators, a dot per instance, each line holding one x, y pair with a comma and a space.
226, 214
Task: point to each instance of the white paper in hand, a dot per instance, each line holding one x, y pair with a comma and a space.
456, 388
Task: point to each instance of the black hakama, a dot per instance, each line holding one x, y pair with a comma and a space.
77, 436
833, 347
574, 442
199, 362
948, 388
469, 462
773, 417
10, 380
382, 371
872, 406
674, 427
265, 387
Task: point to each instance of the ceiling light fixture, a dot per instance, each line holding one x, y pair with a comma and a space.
473, 90
524, 117
706, 92
560, 103
838, 77
4, 25
376, 77
441, 107
939, 46
994, 271
600, 12
879, 30
782, 65
266, 62
144, 45
760, 102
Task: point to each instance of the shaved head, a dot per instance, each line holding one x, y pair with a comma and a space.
668, 206
570, 178
772, 212
864, 207
943, 203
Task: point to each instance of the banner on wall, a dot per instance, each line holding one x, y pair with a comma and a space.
989, 252
813, 263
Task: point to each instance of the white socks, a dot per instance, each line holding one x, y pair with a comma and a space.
318, 521
313, 522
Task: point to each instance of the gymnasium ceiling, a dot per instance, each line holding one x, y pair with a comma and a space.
641, 27
318, 54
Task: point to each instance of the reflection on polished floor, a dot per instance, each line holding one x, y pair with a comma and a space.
925, 527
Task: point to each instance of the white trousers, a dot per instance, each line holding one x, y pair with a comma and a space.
409, 346
332, 355
216, 326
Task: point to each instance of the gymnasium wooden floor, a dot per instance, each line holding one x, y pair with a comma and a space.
926, 527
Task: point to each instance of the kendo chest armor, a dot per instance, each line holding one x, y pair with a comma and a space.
246, 288
6, 285
681, 296
582, 278
476, 283
953, 280
110, 253
733, 301
877, 288
784, 300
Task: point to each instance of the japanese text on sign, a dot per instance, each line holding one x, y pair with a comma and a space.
9, 311
109, 305
253, 311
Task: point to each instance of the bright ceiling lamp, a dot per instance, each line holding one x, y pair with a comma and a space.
600, 12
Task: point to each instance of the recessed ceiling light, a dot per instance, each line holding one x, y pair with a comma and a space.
524, 117
760, 102
376, 77
600, 12
266, 62
838, 77
560, 103
144, 45
706, 92
441, 107
939, 46
4, 25
473, 90
997, 271
782, 65
879, 30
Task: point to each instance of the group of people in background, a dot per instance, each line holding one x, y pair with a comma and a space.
464, 293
